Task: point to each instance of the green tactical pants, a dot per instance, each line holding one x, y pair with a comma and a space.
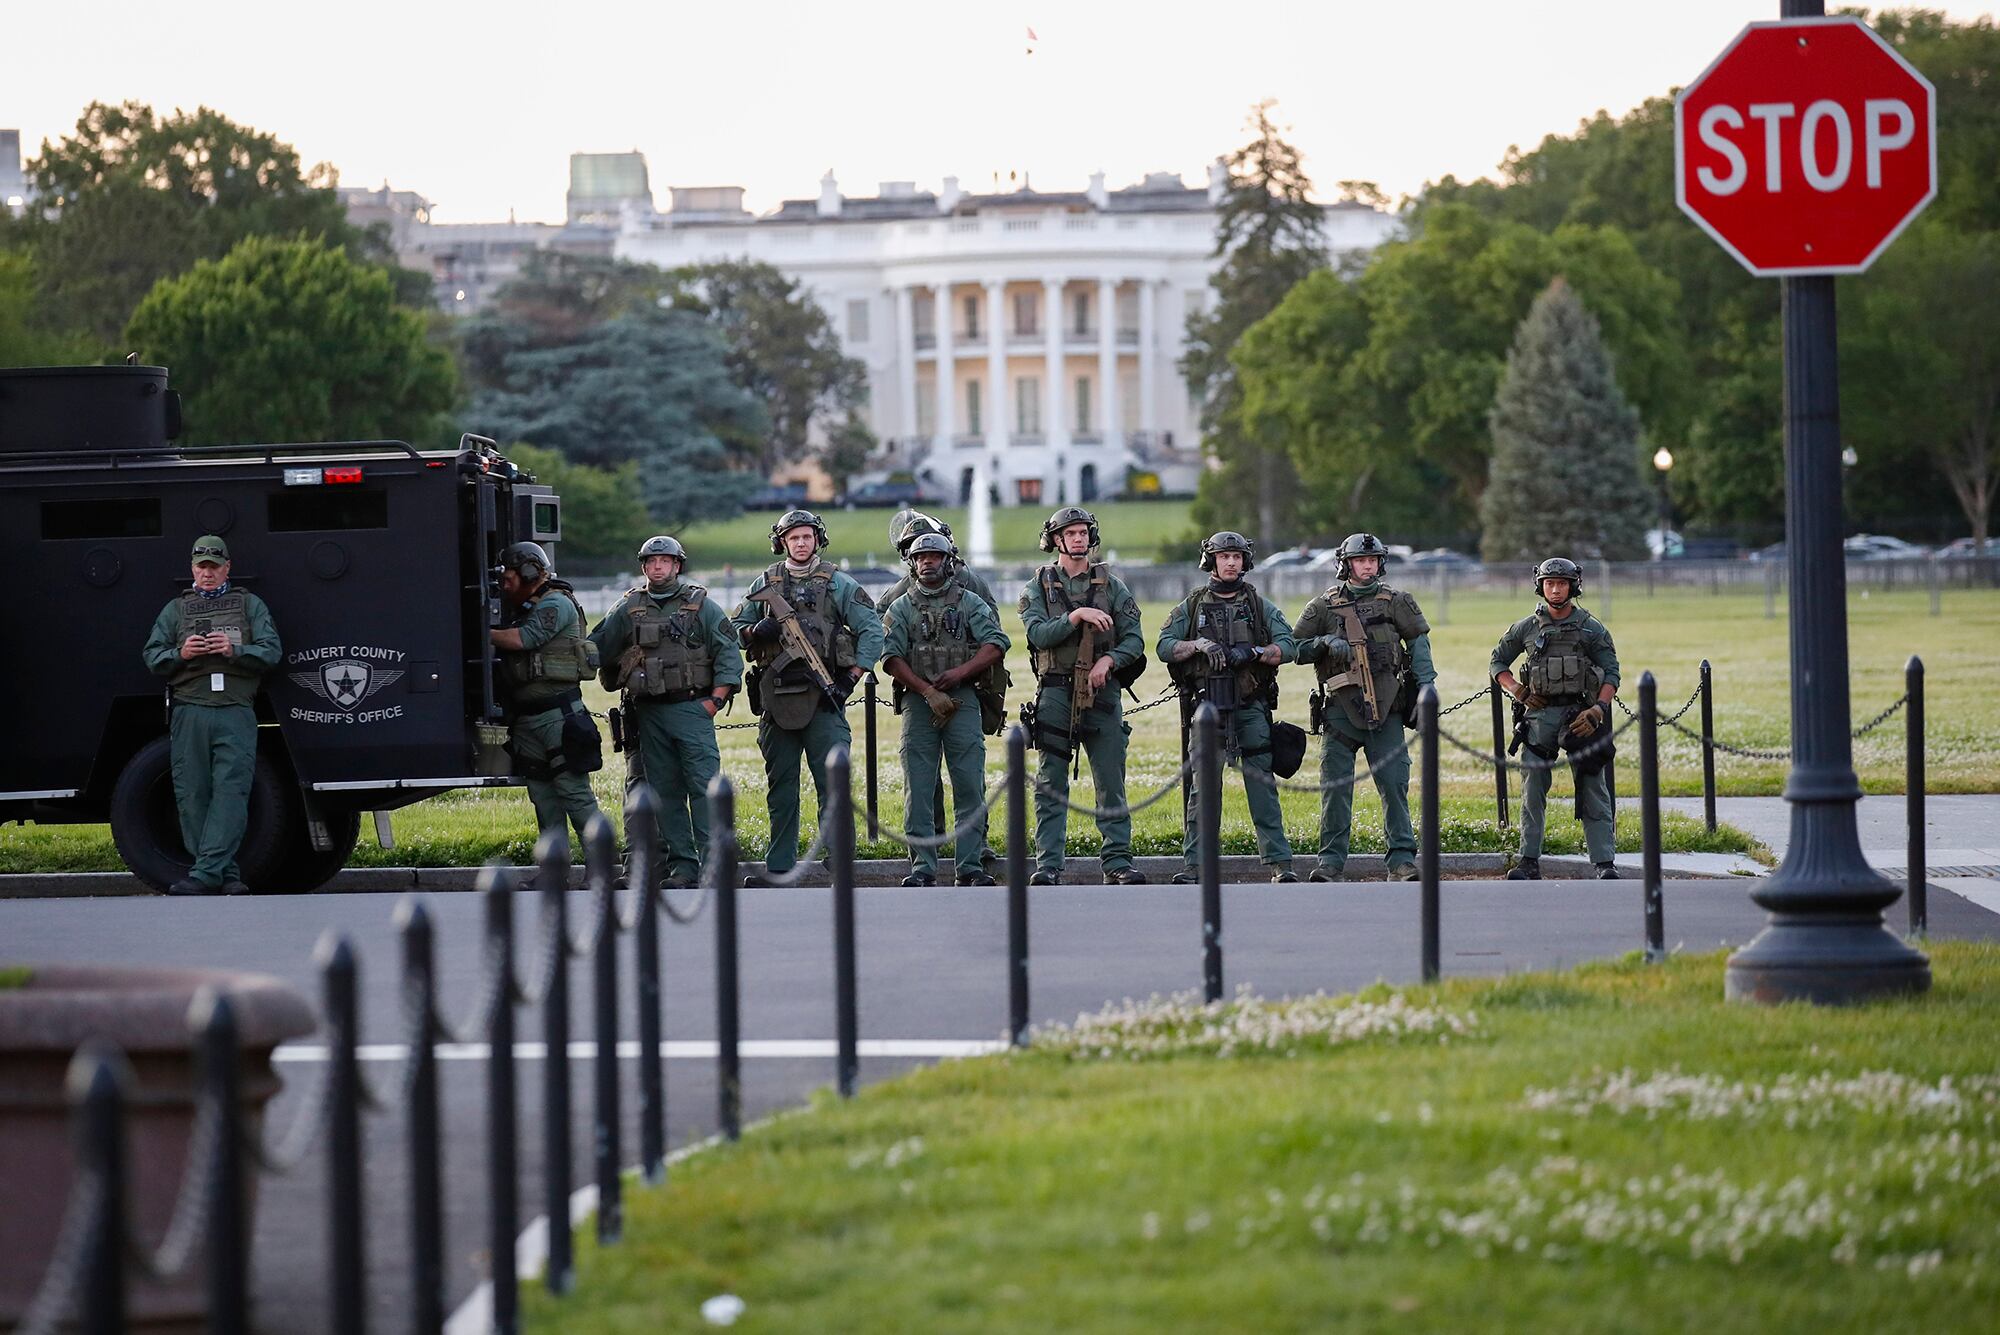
1104, 735
1594, 806
1253, 735
961, 747
783, 748
567, 796
672, 747
214, 757
1391, 777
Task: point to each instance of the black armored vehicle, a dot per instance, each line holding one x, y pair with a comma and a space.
378, 562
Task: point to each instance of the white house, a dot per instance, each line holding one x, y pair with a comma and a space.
1027, 340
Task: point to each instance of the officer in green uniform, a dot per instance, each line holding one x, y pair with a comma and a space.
939, 638
544, 659
798, 716
1572, 672
1068, 604
213, 643
905, 527
671, 652
1223, 644
1362, 610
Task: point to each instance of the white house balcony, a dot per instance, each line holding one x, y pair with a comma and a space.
1027, 439
1086, 438
968, 441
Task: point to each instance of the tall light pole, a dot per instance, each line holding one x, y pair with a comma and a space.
1663, 459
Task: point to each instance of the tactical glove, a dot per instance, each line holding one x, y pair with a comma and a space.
942, 706
765, 631
1587, 721
1338, 651
1242, 655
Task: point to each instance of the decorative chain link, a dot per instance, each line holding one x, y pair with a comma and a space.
297, 1142
684, 917
1112, 813
1674, 717
52, 1301
1747, 753
493, 992
584, 946
950, 838
1479, 694
1531, 761
1882, 717
1172, 692
418, 1031
545, 970
189, 1220
803, 867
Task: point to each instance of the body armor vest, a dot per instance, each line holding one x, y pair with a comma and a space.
1055, 593
811, 596
1559, 664
1383, 643
566, 659
942, 637
1230, 622
227, 615
670, 652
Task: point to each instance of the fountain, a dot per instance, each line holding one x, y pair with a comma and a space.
979, 523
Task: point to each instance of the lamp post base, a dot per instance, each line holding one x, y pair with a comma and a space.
1826, 960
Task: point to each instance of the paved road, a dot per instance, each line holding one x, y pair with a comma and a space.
1954, 825
931, 967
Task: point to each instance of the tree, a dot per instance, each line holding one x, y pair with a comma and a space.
650, 388
1269, 235
784, 351
24, 341
293, 341
1565, 472
131, 197
603, 516
1933, 350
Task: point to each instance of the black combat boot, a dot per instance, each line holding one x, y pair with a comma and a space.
1606, 871
1527, 869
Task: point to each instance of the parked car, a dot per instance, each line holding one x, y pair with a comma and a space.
1881, 547
1663, 543
1290, 557
888, 495
1708, 549
1775, 552
788, 497
1445, 557
1961, 548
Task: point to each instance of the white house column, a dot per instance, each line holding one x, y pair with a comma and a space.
999, 403
906, 365
946, 377
1055, 429
1107, 363
1149, 319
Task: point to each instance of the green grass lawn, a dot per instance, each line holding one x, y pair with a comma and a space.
862, 536
1608, 1148
1670, 634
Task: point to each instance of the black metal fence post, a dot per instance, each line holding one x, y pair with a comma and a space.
99, 1083
600, 856
1707, 746
225, 1249
728, 1021
840, 853
642, 815
1499, 753
1913, 795
1649, 817
496, 888
1017, 886
868, 734
1427, 845
346, 1263
413, 921
1208, 836
552, 863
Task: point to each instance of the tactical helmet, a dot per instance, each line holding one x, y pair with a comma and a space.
930, 542
1227, 541
1360, 544
529, 560
1062, 519
1559, 567
790, 520
915, 524
662, 545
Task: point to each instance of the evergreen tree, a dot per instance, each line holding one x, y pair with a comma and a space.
1565, 478
1269, 235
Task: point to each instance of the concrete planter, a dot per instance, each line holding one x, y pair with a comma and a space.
144, 1013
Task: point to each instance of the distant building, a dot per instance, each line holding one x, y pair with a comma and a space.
1026, 341
13, 185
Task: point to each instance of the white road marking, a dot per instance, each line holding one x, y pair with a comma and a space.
673, 1049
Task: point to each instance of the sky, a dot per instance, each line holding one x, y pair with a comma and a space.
478, 106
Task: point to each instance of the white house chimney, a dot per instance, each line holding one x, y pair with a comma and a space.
1097, 193
829, 195
948, 199
1218, 180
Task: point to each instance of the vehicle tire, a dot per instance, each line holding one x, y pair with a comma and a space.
300, 868
145, 824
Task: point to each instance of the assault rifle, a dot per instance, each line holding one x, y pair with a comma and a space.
793, 637
1356, 634
1220, 689
1082, 695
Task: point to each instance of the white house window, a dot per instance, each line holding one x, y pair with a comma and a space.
926, 411
972, 317
922, 319
1025, 311
1128, 395
972, 415
1083, 403
1082, 306
857, 321
1028, 404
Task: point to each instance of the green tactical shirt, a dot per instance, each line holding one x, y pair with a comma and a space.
902, 613
613, 635
1278, 631
851, 607
963, 577
241, 671
1594, 636
1048, 627
540, 620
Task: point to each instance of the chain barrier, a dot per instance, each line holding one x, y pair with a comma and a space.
54, 1300
1531, 761
1664, 718
964, 827
584, 946
418, 1030
1747, 753
493, 991
546, 971
1479, 694
299, 1138
1265, 776
1113, 813
800, 869
189, 1220
686, 919
1880, 718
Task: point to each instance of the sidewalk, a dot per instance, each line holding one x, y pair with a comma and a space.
1961, 831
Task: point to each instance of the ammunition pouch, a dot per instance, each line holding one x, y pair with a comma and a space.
1131, 672
1049, 741
1407, 684
616, 718
1288, 748
1316, 710
991, 690
753, 691
582, 750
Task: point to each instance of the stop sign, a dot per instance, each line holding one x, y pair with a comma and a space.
1806, 146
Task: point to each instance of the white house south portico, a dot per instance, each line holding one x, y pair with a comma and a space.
1023, 340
